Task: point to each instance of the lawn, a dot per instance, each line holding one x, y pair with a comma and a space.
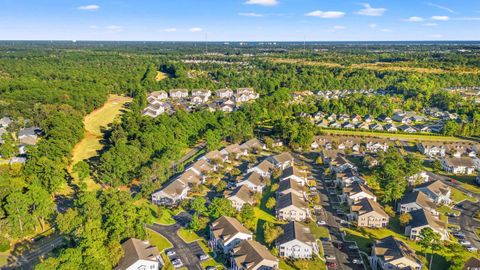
158, 240
166, 217
160, 76
260, 214
458, 196
466, 181
444, 209
315, 263
188, 236
423, 137
318, 231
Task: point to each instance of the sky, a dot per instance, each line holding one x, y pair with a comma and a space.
240, 20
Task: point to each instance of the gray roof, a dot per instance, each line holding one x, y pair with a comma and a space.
392, 249
422, 218
295, 231
134, 250
291, 199
419, 198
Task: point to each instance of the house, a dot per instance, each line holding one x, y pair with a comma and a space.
202, 168
138, 254
251, 255
373, 146
178, 93
457, 149
340, 164
432, 149
295, 174
368, 118
348, 125
264, 168
215, 157
200, 95
418, 178
472, 264
390, 253
422, 128
354, 145
191, 178
356, 118
335, 125
225, 93
407, 129
364, 126
156, 109
227, 108
356, 192
245, 94
290, 186
376, 127
282, 160
171, 194
401, 118
384, 118
226, 233
461, 165
328, 156
348, 177
240, 196
416, 200
157, 95
332, 117
343, 117
5, 122
29, 135
234, 150
439, 192
253, 145
292, 207
390, 128
254, 181
368, 213
323, 123
296, 242
421, 219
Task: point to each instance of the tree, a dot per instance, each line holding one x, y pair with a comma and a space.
194, 224
404, 219
213, 139
43, 206
271, 232
221, 207
19, 218
271, 202
198, 205
274, 187
7, 147
389, 210
82, 169
430, 241
247, 216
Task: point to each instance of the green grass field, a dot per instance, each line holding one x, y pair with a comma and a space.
458, 196
158, 240
188, 236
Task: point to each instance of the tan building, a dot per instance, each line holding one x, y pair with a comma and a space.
368, 213
251, 255
240, 196
227, 232
292, 207
390, 253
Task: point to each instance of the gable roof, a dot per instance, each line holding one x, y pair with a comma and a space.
436, 187
422, 218
227, 227
254, 178
283, 157
292, 171
392, 249
367, 205
250, 254
291, 199
356, 188
243, 193
289, 184
460, 162
252, 143
134, 250
266, 166
419, 198
174, 189
295, 231
471, 264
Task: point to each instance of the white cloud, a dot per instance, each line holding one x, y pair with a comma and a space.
372, 25
431, 24
93, 27
114, 28
370, 11
262, 2
169, 30
339, 27
250, 14
195, 29
326, 14
440, 18
415, 19
89, 7
441, 7
385, 30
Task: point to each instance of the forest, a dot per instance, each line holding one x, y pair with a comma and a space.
55, 85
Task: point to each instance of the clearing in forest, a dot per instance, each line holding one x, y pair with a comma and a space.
160, 76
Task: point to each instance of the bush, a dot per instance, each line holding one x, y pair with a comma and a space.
4, 244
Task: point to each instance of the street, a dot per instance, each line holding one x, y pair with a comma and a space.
467, 221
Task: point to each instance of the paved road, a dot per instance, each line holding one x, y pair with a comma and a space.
188, 253
467, 222
190, 154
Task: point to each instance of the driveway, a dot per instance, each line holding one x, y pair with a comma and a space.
467, 222
188, 253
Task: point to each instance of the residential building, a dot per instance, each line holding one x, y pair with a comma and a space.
264, 168
356, 192
5, 122
458, 165
390, 128
251, 255
138, 254
376, 127
282, 160
296, 242
390, 253
156, 109
157, 95
418, 178
384, 118
407, 129
341, 164
439, 192
28, 136
421, 219
240, 196
215, 157
348, 177
254, 181
472, 264
292, 207
368, 213
295, 174
226, 233
290, 186
374, 146
416, 200
253, 145
171, 194
178, 93
432, 149
225, 93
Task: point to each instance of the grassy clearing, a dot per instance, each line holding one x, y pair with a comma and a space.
318, 231
158, 240
447, 210
160, 76
260, 214
165, 218
3, 258
188, 236
458, 196
413, 137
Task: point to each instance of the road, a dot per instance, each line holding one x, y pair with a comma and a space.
188, 253
337, 244
467, 222
199, 147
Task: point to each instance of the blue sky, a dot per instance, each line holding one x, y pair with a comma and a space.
240, 20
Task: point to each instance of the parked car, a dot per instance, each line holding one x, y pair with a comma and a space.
321, 222
472, 249
210, 268
170, 253
352, 247
330, 257
453, 214
465, 243
313, 189
177, 263
203, 257
357, 261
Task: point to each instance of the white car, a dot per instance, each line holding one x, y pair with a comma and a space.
203, 257
357, 261
465, 243
472, 249
321, 222
177, 263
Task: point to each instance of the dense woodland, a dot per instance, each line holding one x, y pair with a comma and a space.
56, 85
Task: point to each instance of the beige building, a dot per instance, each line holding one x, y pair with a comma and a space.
292, 207
251, 255
227, 232
390, 253
240, 196
368, 213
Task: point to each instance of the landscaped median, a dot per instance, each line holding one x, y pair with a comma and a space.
158, 240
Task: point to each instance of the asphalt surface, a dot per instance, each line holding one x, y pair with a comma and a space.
467, 222
188, 253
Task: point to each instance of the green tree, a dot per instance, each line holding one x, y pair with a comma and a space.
430, 241
404, 219
82, 169
271, 232
271, 202
198, 205
8, 148
43, 206
221, 207
247, 216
